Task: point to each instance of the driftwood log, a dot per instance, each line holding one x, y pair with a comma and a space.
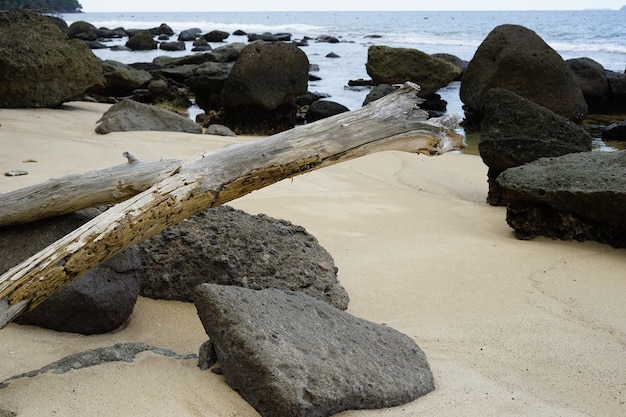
158, 195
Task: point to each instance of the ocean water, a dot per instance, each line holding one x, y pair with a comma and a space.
595, 34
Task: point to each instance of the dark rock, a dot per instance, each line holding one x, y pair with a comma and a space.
309, 98
83, 30
216, 36
266, 75
269, 37
617, 88
515, 131
106, 33
515, 58
322, 109
190, 34
126, 352
95, 45
230, 247
207, 81
99, 301
40, 67
239, 32
163, 29
379, 91
129, 115
454, 60
388, 65
591, 77
580, 196
248, 119
172, 46
332, 55
327, 39
163, 38
219, 130
615, 131
58, 22
288, 354
122, 79
142, 41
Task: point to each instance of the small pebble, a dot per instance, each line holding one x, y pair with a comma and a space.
15, 173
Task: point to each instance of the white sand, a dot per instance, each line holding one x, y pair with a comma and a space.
511, 328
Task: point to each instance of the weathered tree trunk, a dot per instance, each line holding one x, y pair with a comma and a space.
185, 188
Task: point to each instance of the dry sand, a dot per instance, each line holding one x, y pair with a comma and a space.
510, 327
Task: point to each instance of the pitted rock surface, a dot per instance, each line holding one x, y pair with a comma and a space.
230, 247
289, 354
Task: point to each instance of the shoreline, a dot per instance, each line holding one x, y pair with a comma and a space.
509, 327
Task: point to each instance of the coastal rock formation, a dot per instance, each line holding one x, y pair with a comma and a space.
266, 75
98, 302
258, 95
289, 354
593, 82
615, 131
40, 66
216, 36
130, 115
515, 131
230, 247
121, 79
142, 41
515, 58
322, 109
580, 196
387, 65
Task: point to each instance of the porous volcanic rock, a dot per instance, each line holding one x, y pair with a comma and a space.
515, 58
39, 65
387, 65
266, 75
289, 354
99, 301
515, 131
579, 196
230, 247
130, 115
591, 76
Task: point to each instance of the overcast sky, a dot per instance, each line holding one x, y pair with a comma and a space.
335, 5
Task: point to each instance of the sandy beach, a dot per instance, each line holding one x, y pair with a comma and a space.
510, 327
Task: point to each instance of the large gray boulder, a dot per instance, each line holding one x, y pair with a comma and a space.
40, 66
289, 354
387, 65
230, 247
99, 301
515, 131
130, 115
515, 58
580, 196
591, 76
142, 41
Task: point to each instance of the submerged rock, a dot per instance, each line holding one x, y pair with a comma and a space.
289, 354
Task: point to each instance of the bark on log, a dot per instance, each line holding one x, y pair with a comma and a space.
394, 122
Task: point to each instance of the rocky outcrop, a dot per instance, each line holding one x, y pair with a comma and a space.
130, 115
266, 75
121, 80
142, 41
289, 354
230, 247
100, 301
387, 65
257, 97
591, 77
40, 66
515, 58
515, 131
579, 196
322, 109
216, 36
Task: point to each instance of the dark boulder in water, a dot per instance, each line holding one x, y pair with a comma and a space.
515, 58
142, 41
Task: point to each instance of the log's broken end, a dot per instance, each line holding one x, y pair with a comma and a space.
9, 311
